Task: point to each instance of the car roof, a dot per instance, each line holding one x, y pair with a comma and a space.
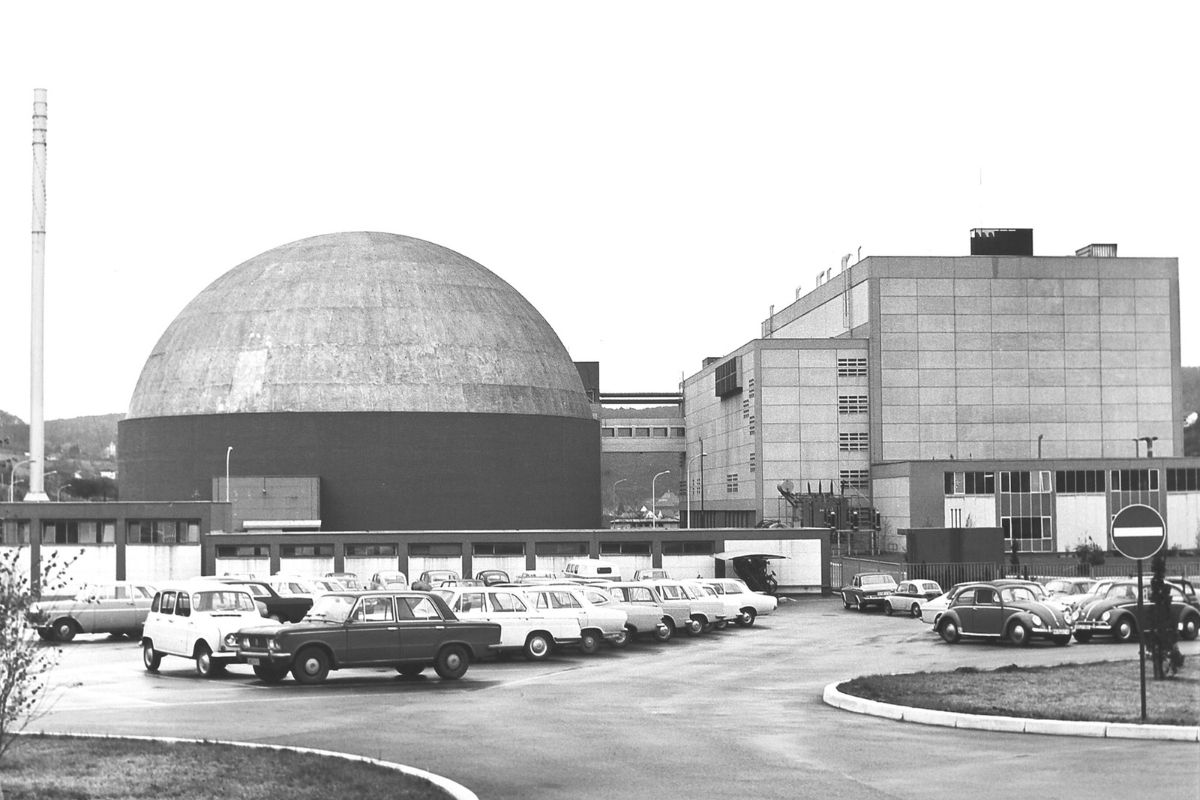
197, 584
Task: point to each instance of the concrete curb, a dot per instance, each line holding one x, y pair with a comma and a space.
1051, 727
455, 790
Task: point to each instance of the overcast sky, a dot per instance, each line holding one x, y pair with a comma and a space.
651, 176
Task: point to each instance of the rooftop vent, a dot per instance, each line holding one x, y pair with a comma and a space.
1097, 251
1002, 241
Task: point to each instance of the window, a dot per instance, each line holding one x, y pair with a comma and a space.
625, 548
306, 550
728, 381
731, 483
689, 548
854, 478
677, 433
641, 433
852, 367
16, 531
507, 603
624, 433
1026, 528
1134, 480
852, 404
561, 548
163, 531
1079, 481
659, 433
1186, 479
608, 433
184, 607
371, 550
243, 551
957, 483
417, 608
167, 606
849, 442
498, 548
374, 609
435, 549
564, 600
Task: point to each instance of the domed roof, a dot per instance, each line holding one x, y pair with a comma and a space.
359, 322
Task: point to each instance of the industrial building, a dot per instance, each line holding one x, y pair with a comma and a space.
995, 389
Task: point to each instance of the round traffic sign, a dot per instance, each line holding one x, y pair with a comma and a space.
1138, 531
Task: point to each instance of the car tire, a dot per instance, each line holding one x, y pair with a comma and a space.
746, 619
46, 633
1188, 628
269, 673
720, 624
589, 643
1124, 629
538, 646
151, 658
452, 662
410, 670
887, 608
64, 630
915, 610
622, 639
665, 633
206, 667
1083, 637
948, 630
694, 627
311, 666
845, 601
1019, 634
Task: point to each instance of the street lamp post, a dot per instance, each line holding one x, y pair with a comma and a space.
614, 493
1149, 440
228, 451
689, 486
654, 498
12, 476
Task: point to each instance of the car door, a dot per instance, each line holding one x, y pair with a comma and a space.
166, 635
987, 614
372, 633
422, 628
513, 615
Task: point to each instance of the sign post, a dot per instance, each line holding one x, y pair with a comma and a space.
1138, 532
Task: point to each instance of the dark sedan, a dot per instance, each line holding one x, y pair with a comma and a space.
1004, 612
867, 589
406, 630
1116, 614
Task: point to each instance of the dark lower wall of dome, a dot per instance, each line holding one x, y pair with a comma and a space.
382, 471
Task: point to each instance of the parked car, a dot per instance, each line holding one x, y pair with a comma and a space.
640, 618
434, 577
272, 604
909, 595
459, 582
722, 614
1070, 590
408, 631
522, 627
533, 576
392, 579
597, 622
491, 577
1002, 612
348, 579
676, 605
751, 604
867, 589
1116, 614
635, 595
118, 607
199, 620
651, 575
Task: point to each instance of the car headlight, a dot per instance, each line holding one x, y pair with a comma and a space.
231, 641
1037, 621
1105, 616
273, 645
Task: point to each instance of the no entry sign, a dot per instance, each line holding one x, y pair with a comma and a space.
1138, 532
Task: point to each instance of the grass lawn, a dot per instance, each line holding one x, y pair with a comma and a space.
52, 768
1108, 691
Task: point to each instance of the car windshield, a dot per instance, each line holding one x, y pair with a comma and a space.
878, 580
331, 608
1017, 594
220, 601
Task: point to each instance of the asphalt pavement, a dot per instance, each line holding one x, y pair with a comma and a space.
732, 713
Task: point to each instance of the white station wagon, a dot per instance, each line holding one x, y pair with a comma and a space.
522, 627
198, 620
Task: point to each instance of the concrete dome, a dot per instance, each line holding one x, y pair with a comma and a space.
359, 322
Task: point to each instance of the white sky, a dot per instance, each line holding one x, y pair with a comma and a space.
651, 176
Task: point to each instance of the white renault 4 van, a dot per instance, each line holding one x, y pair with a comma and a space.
593, 568
198, 619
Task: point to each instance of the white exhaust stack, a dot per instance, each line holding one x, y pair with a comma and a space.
37, 444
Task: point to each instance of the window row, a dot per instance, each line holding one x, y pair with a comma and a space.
1026, 482
1186, 479
731, 483
852, 367
1024, 529
962, 483
850, 442
103, 531
1134, 480
642, 432
852, 404
1079, 481
854, 478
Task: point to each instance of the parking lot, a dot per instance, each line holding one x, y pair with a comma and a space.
736, 712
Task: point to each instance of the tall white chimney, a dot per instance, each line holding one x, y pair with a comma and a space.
37, 427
